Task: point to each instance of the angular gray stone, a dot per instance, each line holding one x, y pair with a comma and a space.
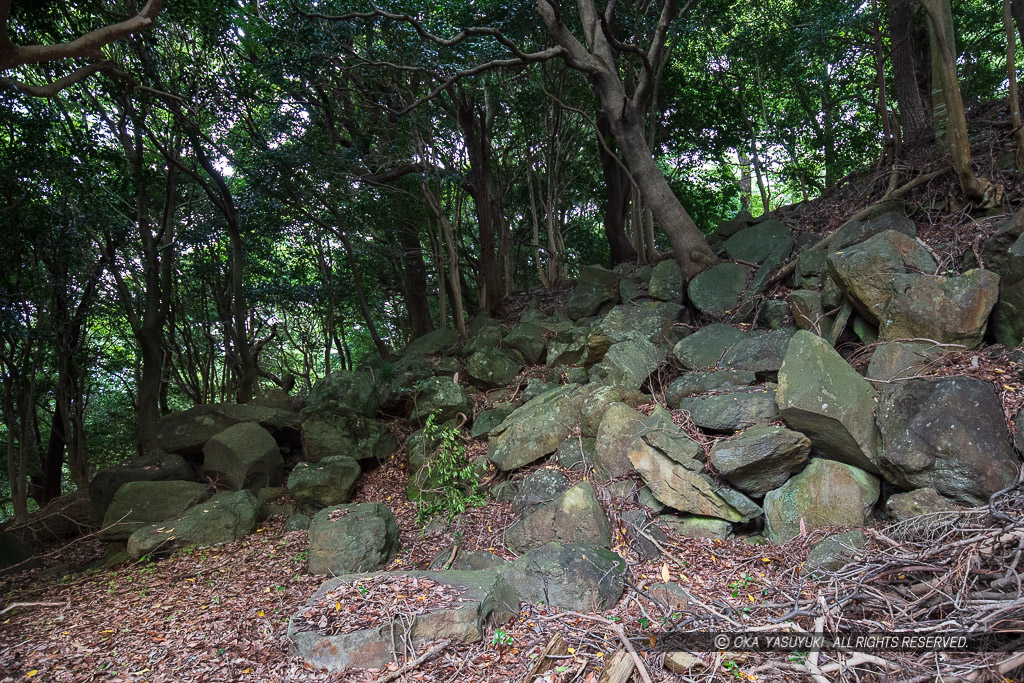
578, 577
760, 353
329, 482
734, 409
140, 503
538, 489
864, 271
677, 481
619, 426
949, 434
809, 313
488, 336
823, 397
705, 347
628, 363
243, 456
441, 397
855, 232
650, 320
223, 518
297, 522
949, 310
157, 466
187, 431
761, 458
903, 506
373, 648
701, 382
894, 360
587, 299
567, 347
327, 434
536, 429
608, 278
717, 291
1008, 314
576, 453
574, 516
528, 339
825, 493
466, 560
432, 343
667, 282
492, 368
350, 392
694, 526
834, 552
489, 419
774, 314
352, 538
755, 243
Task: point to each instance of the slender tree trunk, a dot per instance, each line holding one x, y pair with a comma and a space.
1011, 75
1017, 9
617, 194
745, 185
881, 103
415, 282
535, 226
453, 258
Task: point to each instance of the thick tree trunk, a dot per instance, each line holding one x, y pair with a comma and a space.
1011, 75
1017, 10
617, 193
914, 120
414, 280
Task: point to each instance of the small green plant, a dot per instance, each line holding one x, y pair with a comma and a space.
454, 482
502, 638
740, 585
732, 667
301, 557
798, 657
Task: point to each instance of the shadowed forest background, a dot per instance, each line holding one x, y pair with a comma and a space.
238, 196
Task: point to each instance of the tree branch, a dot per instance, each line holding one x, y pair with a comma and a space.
76, 76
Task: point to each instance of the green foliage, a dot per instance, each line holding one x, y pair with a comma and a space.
455, 482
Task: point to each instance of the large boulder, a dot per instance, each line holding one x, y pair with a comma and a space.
315, 486
528, 339
326, 434
734, 409
900, 360
705, 347
352, 538
619, 426
761, 353
139, 503
574, 516
667, 463
823, 397
538, 489
949, 310
226, 517
890, 216
761, 458
432, 343
650, 320
903, 506
628, 363
695, 526
701, 382
442, 398
583, 578
717, 291
478, 597
864, 271
826, 493
187, 431
666, 282
492, 368
348, 392
1008, 314
809, 312
489, 419
948, 434
588, 298
760, 240
243, 456
157, 466
536, 429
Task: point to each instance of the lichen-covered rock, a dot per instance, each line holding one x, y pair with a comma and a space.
809, 312
243, 456
492, 368
757, 242
187, 431
536, 429
577, 453
900, 360
705, 347
761, 459
329, 434
903, 506
348, 392
761, 353
139, 503
650, 320
864, 271
701, 382
489, 419
587, 299
718, 290
578, 577
157, 466
826, 493
442, 398
538, 489
574, 516
666, 282
352, 538
528, 339
949, 310
323, 484
620, 425
834, 551
223, 518
628, 363
733, 409
949, 434
1008, 314
695, 526
823, 397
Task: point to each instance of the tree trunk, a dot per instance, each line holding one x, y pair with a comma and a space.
745, 185
1011, 75
1017, 9
415, 282
617, 192
913, 119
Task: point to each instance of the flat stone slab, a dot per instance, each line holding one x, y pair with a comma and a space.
326, 636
